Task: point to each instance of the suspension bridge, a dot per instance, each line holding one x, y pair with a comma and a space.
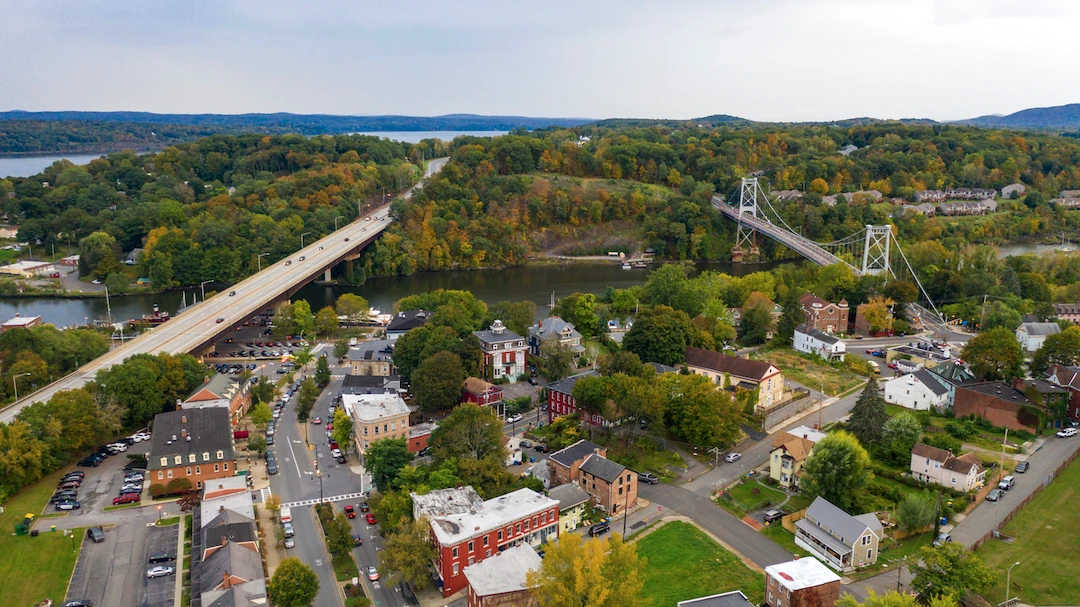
869, 251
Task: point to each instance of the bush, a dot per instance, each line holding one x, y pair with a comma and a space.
177, 486
157, 490
961, 428
942, 440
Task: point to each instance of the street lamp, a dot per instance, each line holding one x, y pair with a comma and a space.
258, 258
202, 288
1008, 580
302, 239
336, 220
15, 382
159, 512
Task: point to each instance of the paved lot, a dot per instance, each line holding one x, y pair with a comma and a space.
113, 572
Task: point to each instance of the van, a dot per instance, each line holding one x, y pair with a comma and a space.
286, 515
1006, 483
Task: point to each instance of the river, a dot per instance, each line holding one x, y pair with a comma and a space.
25, 166
533, 283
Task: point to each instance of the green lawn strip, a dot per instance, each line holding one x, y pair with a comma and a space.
1045, 545
893, 554
34, 568
641, 456
344, 567
684, 563
167, 521
741, 498
784, 538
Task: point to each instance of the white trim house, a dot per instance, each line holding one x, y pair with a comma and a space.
819, 343
917, 390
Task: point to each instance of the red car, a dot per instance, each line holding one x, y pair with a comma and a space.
350, 511
127, 498
371, 520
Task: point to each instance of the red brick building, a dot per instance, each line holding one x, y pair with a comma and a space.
500, 581
998, 403
804, 582
825, 315
196, 444
1068, 378
222, 391
419, 435
561, 400
466, 530
479, 392
610, 485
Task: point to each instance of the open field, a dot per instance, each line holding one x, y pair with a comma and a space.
814, 374
684, 563
1045, 545
34, 568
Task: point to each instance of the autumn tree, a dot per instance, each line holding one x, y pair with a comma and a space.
819, 186
260, 415
407, 554
294, 584
878, 313
994, 354
326, 322
576, 573
838, 470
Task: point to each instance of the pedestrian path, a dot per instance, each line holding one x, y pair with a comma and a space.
333, 498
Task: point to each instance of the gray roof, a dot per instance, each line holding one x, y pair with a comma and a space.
571, 454
229, 526
928, 379
553, 326
566, 386
191, 431
1040, 328
823, 514
218, 384
409, 319
663, 368
233, 559
378, 350
735, 598
569, 495
602, 467
504, 572
370, 384
817, 334
243, 595
998, 390
497, 333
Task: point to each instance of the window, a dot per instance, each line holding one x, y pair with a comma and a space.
198, 484
471, 546
198, 469
866, 540
164, 461
526, 524
160, 475
454, 552
178, 459
517, 528
365, 430
536, 520
500, 535
188, 471
226, 466
393, 425
220, 454
191, 458
488, 553
169, 474
455, 569
471, 560
217, 468
620, 490
869, 554
486, 543
376, 429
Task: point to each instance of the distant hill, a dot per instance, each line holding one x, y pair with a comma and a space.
1057, 117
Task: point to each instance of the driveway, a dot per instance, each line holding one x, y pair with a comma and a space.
114, 571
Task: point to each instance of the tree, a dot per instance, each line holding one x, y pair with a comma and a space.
994, 354
273, 503
309, 392
393, 509
878, 313
257, 444
341, 350
469, 432
339, 535
117, 282
838, 470
343, 429
385, 458
623, 362
1058, 349
819, 186
517, 316
285, 320
322, 371
437, 382
893, 599
868, 416
303, 317
792, 317
949, 569
294, 584
914, 512
260, 415
660, 334
95, 248
575, 573
353, 307
263, 392
695, 411
756, 322
326, 322
407, 554
558, 359
899, 435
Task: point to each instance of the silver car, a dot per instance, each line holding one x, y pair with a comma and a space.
160, 572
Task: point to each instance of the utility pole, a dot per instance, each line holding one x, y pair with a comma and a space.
982, 320
1001, 462
626, 515
821, 404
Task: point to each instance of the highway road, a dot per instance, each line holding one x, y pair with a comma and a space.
201, 323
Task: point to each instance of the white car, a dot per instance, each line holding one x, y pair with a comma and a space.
160, 572
732, 457
141, 436
1066, 432
133, 478
372, 573
514, 418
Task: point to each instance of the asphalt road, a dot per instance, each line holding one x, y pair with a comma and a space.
201, 323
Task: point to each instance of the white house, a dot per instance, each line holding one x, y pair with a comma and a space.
917, 390
814, 341
934, 465
1031, 335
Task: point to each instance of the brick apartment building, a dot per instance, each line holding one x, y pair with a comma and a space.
825, 315
998, 403
196, 444
561, 400
610, 485
224, 391
466, 530
804, 582
477, 391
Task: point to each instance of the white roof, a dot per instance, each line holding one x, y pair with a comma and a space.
494, 513
504, 572
239, 503
806, 572
442, 502
808, 433
373, 407
22, 321
26, 266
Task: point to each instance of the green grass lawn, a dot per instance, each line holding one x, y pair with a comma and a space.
684, 563
810, 372
642, 456
1045, 544
750, 495
784, 538
34, 568
344, 568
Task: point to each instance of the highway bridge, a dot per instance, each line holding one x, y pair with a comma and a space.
203, 324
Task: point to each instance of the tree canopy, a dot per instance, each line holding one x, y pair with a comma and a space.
838, 470
994, 354
574, 573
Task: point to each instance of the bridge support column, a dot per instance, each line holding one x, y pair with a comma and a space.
349, 269
326, 275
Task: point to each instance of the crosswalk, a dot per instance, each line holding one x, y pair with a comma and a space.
334, 498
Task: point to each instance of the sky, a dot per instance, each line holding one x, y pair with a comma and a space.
769, 60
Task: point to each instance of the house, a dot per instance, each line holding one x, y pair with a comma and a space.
419, 435
572, 500
20, 322
801, 583
785, 195
72, 261
480, 392
1048, 395
730, 373
1018, 188
864, 326
819, 343
223, 391
466, 530
372, 358
376, 416
10, 232
848, 149
561, 400
226, 528
735, 598
1069, 312
998, 403
195, 444
661, 369
1068, 378
789, 452
504, 352
500, 580
920, 354
565, 462
370, 384
611, 486
403, 322
1031, 335
555, 328
933, 465
236, 596
825, 315
842, 541
29, 269
132, 258
232, 565
917, 390
224, 494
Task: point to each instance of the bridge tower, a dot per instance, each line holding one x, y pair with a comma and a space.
876, 250
746, 235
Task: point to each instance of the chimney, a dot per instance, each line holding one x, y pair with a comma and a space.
224, 541
596, 450
221, 508
183, 433
183, 419
206, 379
225, 582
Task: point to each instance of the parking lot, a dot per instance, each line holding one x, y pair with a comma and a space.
114, 571
100, 486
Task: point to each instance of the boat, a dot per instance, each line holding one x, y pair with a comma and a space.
155, 318
641, 264
626, 265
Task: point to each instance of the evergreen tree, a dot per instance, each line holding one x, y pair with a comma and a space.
868, 416
792, 317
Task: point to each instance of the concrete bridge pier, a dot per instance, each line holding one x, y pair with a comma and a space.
326, 275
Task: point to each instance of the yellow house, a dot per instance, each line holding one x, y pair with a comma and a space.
731, 372
572, 501
789, 452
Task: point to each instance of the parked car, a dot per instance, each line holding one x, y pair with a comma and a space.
1006, 483
532, 381
1066, 432
942, 539
289, 543
160, 572
994, 495
350, 512
89, 462
127, 498
316, 420
71, 484
372, 573
270, 440
271, 467
357, 540
771, 516
161, 557
79, 603
647, 477
95, 534
732, 457
524, 444
541, 448
61, 496
370, 518
289, 530
133, 478
1022, 467
598, 529
68, 505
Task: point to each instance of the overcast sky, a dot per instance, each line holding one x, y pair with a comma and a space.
775, 60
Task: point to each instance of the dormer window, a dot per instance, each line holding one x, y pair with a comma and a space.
205, 456
191, 458
220, 454
178, 459
164, 461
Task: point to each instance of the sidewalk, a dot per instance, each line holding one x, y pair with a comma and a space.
178, 592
